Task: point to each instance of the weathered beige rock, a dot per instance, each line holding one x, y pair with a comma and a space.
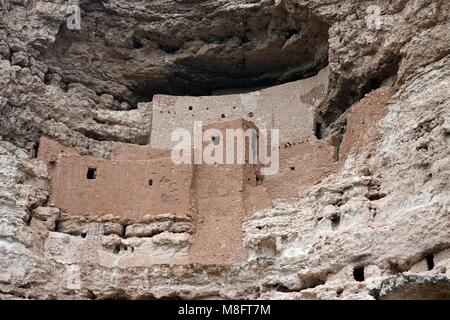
110, 228
146, 230
47, 216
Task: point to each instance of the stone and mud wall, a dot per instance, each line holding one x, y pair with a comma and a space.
288, 107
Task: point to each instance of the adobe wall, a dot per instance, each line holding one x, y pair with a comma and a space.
220, 202
250, 139
288, 107
301, 166
132, 152
221, 196
138, 182
362, 118
128, 189
50, 149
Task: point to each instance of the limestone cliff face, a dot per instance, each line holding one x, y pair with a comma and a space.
377, 227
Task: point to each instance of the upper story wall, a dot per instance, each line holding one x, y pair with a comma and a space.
236, 141
128, 189
137, 182
288, 107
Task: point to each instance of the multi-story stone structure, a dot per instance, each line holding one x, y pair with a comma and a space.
139, 183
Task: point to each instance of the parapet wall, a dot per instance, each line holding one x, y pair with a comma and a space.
288, 107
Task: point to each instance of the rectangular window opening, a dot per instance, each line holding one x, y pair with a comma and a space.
318, 130
358, 273
430, 262
91, 173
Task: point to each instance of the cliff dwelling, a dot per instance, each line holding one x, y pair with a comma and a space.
233, 149
140, 185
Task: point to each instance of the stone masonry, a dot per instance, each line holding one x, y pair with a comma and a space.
142, 182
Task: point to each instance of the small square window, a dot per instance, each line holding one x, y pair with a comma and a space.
91, 173
358, 273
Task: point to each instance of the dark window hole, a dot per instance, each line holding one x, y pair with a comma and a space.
48, 77
335, 220
91, 173
190, 108
376, 196
281, 288
35, 150
430, 261
57, 225
318, 130
292, 168
395, 268
259, 180
222, 116
116, 248
168, 49
137, 44
94, 135
358, 274
150, 182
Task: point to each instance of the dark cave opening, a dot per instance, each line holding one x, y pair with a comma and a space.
358, 273
351, 91
137, 44
34, 150
318, 131
254, 49
430, 261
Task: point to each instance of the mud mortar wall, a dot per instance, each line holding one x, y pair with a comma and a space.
130, 189
289, 107
85, 185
